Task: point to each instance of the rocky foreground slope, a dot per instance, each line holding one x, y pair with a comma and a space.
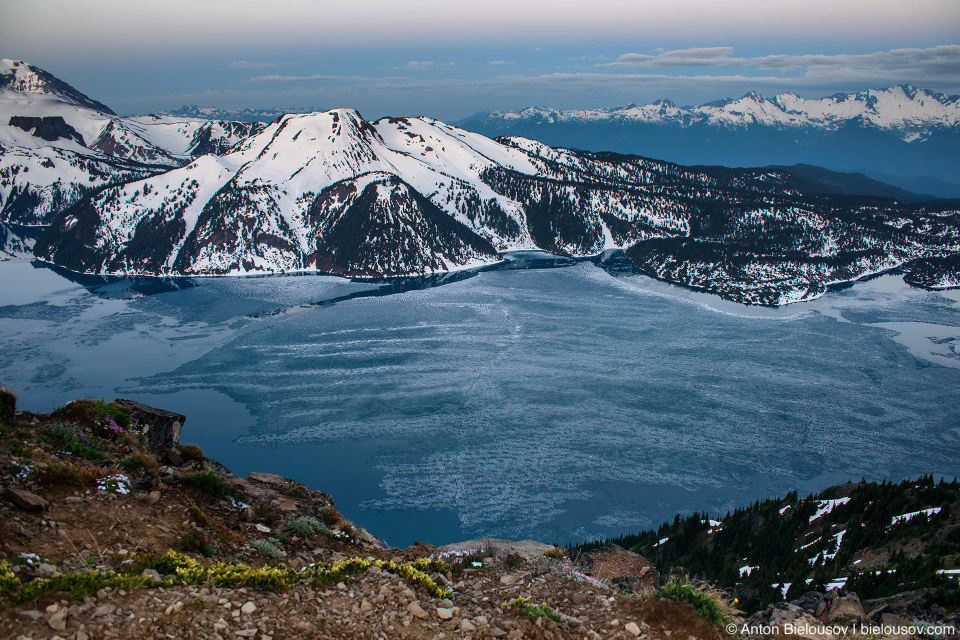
112, 529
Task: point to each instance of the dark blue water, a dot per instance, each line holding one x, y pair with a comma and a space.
556, 404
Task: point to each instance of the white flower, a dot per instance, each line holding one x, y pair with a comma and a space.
115, 484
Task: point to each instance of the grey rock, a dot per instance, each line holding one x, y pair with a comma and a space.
161, 428
444, 613
58, 621
527, 549
269, 479
25, 499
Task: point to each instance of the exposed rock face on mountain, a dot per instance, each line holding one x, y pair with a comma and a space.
56, 144
51, 128
900, 130
333, 192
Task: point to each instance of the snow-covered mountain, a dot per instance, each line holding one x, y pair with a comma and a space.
908, 112
332, 192
56, 144
329, 191
901, 130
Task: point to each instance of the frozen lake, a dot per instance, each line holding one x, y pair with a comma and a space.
557, 403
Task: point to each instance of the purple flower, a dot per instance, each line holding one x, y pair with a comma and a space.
113, 426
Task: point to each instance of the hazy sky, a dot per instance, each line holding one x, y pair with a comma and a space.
449, 59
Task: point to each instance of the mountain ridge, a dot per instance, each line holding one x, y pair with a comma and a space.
902, 108
274, 202
57, 144
900, 130
162, 195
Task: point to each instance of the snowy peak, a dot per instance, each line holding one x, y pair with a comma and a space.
22, 78
118, 141
56, 144
905, 110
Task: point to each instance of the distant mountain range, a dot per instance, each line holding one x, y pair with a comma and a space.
330, 191
900, 131
239, 115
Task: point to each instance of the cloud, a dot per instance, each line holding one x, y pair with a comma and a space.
935, 67
243, 64
278, 79
449, 95
421, 65
917, 64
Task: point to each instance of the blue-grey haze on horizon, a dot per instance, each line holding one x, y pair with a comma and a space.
450, 61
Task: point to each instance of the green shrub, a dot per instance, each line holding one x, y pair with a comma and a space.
541, 610
209, 482
329, 515
297, 491
84, 451
306, 526
267, 548
946, 595
59, 473
709, 603
141, 461
556, 553
197, 542
8, 406
181, 569
62, 432
191, 452
114, 412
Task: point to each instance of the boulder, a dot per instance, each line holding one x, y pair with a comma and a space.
268, 479
841, 605
781, 617
160, 428
25, 500
894, 621
621, 567
814, 602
